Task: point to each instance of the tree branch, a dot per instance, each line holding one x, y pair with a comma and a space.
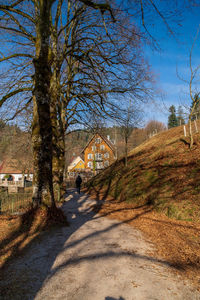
9, 95
16, 55
101, 6
17, 11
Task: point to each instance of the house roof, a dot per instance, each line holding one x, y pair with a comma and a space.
10, 166
103, 138
75, 161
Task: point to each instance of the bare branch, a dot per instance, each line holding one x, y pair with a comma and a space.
101, 6
11, 94
17, 11
16, 55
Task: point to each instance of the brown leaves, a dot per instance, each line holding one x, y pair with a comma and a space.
16, 233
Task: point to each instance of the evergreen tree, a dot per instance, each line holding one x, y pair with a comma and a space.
180, 118
172, 119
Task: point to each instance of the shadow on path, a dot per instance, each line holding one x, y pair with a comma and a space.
111, 298
25, 277
36, 259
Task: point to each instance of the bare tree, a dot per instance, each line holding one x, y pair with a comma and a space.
31, 26
131, 118
192, 83
154, 127
96, 66
49, 49
194, 72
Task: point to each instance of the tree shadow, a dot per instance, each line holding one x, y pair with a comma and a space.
20, 234
111, 298
78, 212
34, 266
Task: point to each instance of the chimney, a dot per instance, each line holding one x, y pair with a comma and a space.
108, 137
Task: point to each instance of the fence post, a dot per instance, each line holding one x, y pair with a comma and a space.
184, 128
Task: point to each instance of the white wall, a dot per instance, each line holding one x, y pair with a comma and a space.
16, 176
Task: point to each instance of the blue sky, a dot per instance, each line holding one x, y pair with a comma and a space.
173, 56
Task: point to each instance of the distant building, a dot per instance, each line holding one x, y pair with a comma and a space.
76, 165
99, 153
11, 175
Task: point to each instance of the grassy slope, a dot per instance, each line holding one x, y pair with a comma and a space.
162, 172
158, 192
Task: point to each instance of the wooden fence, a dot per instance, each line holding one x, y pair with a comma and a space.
13, 203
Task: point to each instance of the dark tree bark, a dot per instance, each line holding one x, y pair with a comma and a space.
41, 127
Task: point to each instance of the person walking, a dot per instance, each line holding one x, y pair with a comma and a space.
78, 183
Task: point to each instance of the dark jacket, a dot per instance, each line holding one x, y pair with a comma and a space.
78, 180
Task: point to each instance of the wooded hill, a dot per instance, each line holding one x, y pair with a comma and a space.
15, 143
162, 172
77, 140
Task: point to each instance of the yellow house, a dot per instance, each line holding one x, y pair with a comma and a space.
76, 165
99, 153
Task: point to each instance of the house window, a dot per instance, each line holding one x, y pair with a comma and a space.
89, 156
99, 165
94, 148
98, 156
106, 155
102, 147
98, 140
89, 164
106, 163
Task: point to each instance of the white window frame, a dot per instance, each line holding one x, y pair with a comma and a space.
106, 155
98, 156
89, 164
102, 147
90, 156
94, 148
99, 165
97, 140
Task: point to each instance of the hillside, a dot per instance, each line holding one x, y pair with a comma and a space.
15, 144
158, 192
162, 171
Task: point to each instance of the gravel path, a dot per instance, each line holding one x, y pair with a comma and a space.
96, 258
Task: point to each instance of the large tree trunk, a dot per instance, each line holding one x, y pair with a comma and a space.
61, 153
62, 123
58, 123
41, 127
58, 139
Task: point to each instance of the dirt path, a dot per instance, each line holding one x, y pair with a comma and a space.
96, 258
